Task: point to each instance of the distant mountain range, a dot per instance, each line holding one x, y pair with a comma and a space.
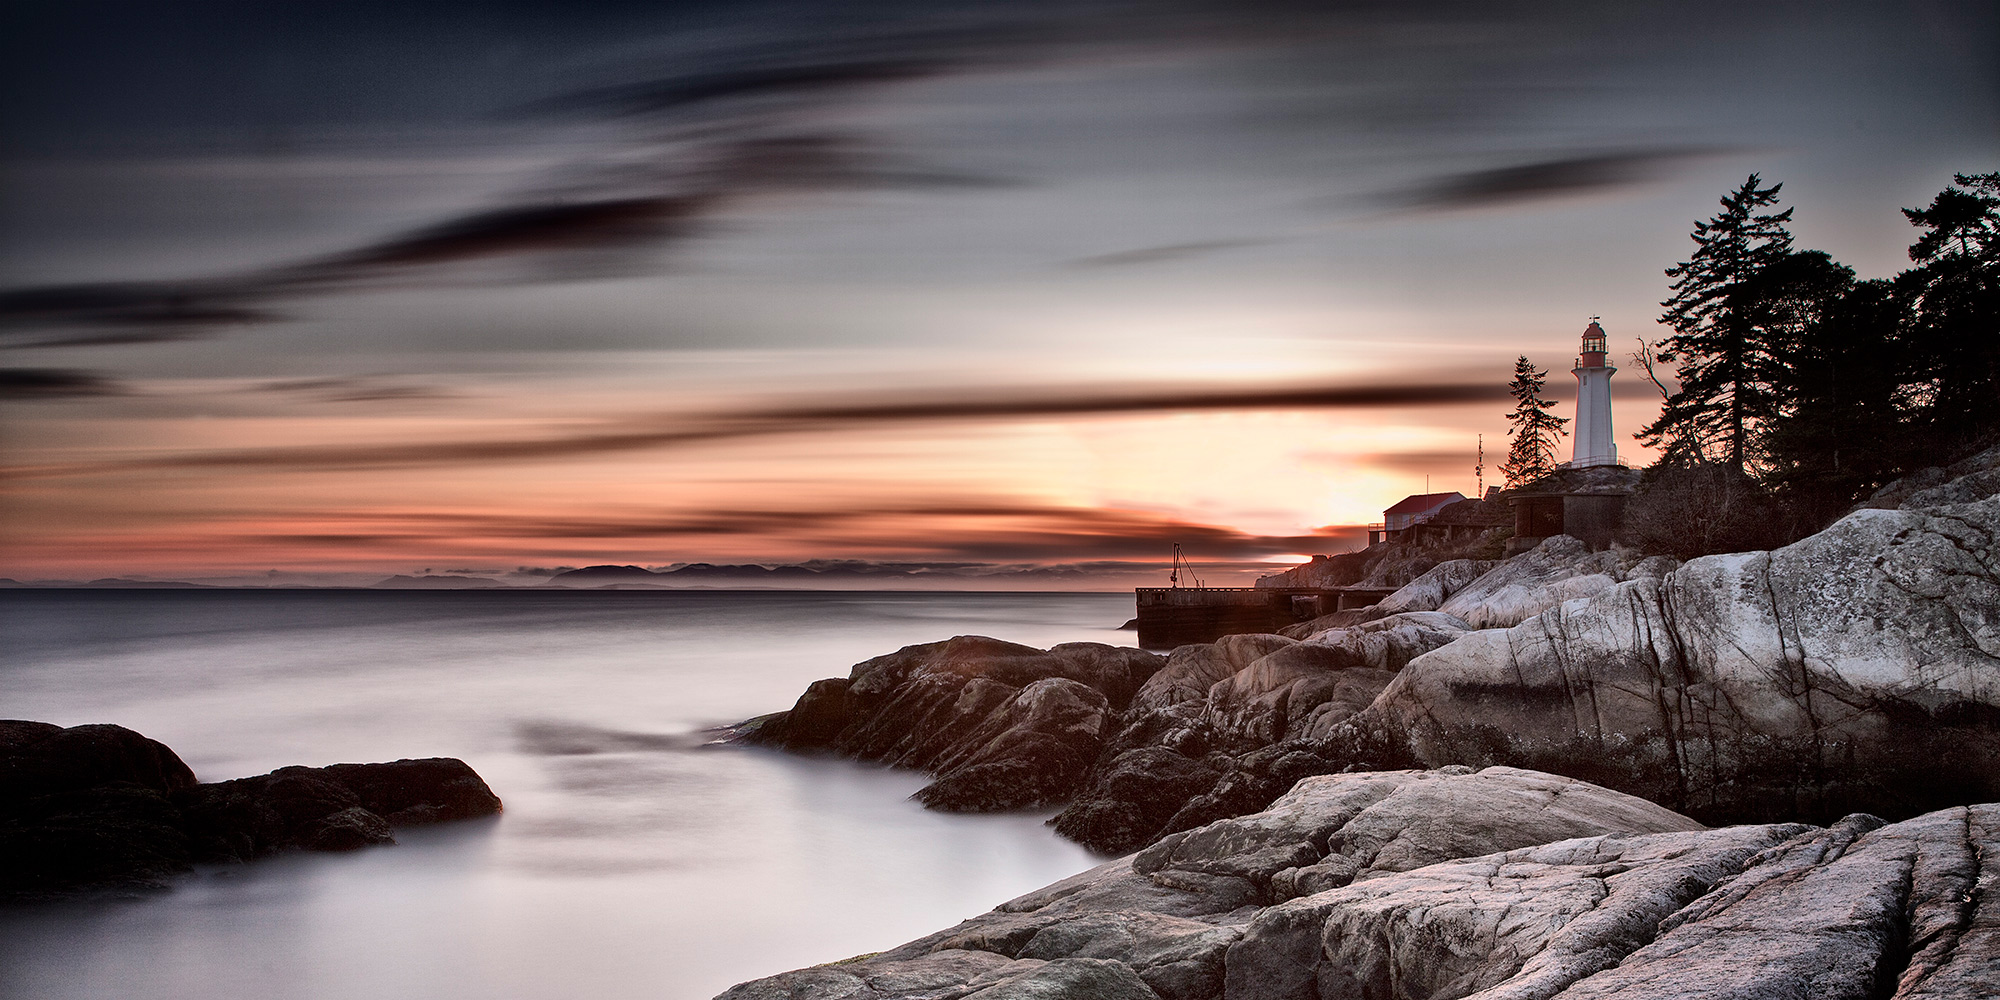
597, 575
441, 582
817, 574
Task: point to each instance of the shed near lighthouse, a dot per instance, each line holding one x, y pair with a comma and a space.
1594, 443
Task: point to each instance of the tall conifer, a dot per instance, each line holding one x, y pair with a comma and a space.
1535, 430
1953, 295
1723, 362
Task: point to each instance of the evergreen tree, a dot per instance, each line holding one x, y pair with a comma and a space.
1724, 361
1961, 223
1536, 432
1803, 389
1843, 426
1953, 296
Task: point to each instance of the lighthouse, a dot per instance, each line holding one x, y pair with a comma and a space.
1593, 403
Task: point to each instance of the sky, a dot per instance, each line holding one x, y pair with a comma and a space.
1017, 293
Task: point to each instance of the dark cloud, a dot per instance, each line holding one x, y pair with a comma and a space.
521, 229
946, 535
161, 310
54, 383
1427, 461
655, 432
747, 113
1544, 179
734, 120
679, 92
580, 235
642, 189
357, 389
1162, 254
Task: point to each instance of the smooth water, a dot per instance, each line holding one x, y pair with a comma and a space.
631, 861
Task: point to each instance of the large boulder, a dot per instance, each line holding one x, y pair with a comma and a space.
1191, 670
1030, 751
1262, 723
1261, 689
101, 806
1429, 591
1559, 569
1135, 796
38, 758
1527, 922
1003, 726
1299, 690
1852, 911
1341, 827
1867, 655
334, 808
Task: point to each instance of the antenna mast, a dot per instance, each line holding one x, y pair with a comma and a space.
1479, 471
1181, 563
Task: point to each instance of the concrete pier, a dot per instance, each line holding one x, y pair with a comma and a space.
1172, 616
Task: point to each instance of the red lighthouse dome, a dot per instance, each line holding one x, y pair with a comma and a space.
1593, 347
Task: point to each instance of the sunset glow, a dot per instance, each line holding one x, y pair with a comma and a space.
1017, 301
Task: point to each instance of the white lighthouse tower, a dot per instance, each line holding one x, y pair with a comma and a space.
1593, 403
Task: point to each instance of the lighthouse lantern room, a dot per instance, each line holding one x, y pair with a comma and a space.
1593, 403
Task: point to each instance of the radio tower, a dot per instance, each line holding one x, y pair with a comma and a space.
1479, 471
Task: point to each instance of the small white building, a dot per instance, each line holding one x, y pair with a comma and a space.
1594, 443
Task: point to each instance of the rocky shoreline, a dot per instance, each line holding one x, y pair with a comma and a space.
103, 808
1799, 698
1500, 884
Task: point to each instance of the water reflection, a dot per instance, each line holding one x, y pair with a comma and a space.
631, 861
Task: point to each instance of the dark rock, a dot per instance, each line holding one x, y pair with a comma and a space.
818, 719
295, 807
104, 807
346, 830
37, 758
1030, 751
1132, 799
1003, 726
117, 836
407, 792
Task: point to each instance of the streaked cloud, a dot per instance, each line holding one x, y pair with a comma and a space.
1525, 182
55, 383
357, 389
966, 533
1163, 254
664, 431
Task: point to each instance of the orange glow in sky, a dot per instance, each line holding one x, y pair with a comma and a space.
989, 285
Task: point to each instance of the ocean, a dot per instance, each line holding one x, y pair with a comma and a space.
631, 859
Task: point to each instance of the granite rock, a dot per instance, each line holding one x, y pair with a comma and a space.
1500, 884
1869, 652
